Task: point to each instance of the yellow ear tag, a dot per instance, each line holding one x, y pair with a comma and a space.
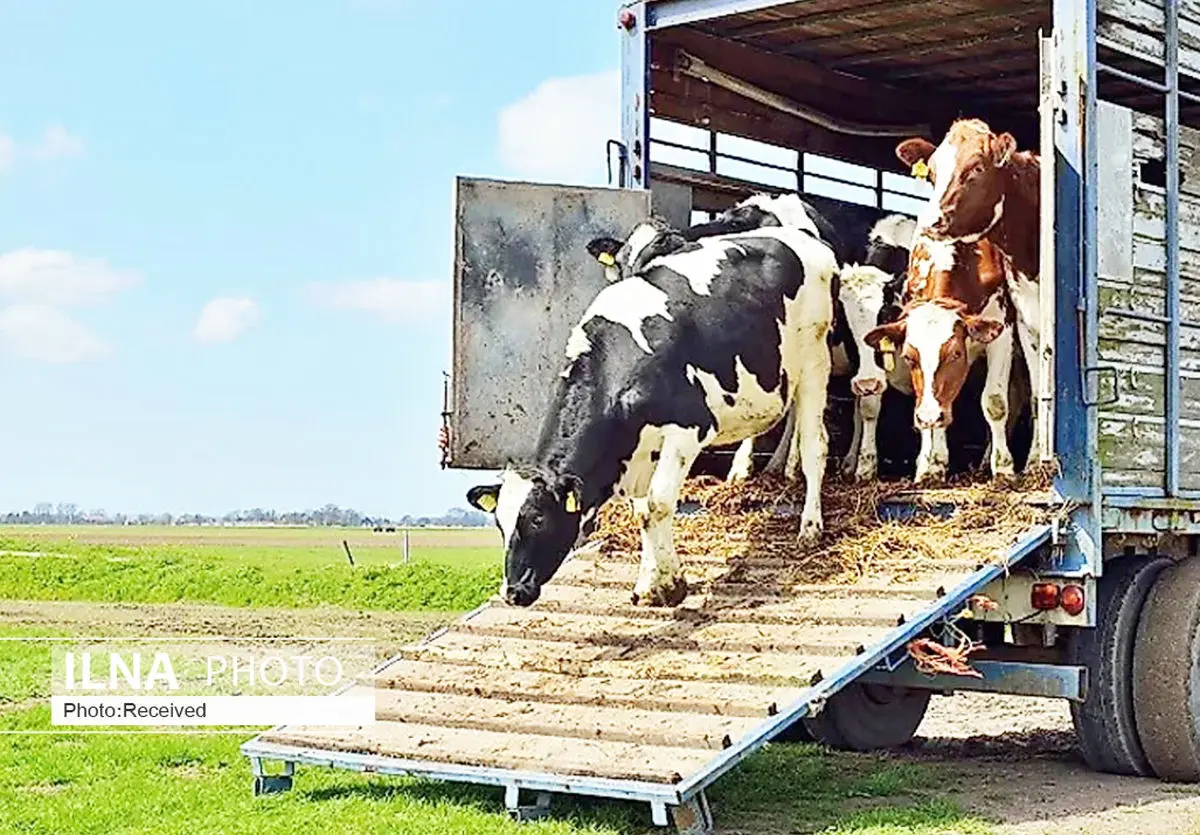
488, 502
888, 349
572, 502
606, 259
920, 170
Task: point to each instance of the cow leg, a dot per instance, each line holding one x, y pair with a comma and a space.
660, 581
850, 462
784, 451
743, 460
1030, 338
934, 459
995, 401
868, 454
811, 445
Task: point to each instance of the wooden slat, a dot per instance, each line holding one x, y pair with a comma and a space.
617, 632
586, 660
733, 581
1145, 46
756, 566
521, 716
1135, 447
620, 574
870, 611
718, 698
525, 752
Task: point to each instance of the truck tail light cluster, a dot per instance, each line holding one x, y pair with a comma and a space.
1046, 596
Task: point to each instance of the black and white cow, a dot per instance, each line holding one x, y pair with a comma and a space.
872, 248
869, 295
708, 345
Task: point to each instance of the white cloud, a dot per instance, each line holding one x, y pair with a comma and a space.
58, 143
44, 333
8, 152
388, 299
558, 132
224, 319
53, 276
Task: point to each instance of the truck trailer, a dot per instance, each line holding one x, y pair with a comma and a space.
1098, 602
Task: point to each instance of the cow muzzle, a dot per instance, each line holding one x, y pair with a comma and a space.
522, 595
866, 386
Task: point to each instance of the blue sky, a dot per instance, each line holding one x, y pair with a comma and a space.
225, 235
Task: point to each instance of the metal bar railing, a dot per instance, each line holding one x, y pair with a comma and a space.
1173, 382
1156, 86
713, 156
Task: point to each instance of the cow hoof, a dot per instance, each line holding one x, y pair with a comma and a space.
867, 470
670, 595
1004, 470
810, 533
1004, 478
931, 476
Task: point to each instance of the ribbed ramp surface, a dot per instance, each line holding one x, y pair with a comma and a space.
585, 685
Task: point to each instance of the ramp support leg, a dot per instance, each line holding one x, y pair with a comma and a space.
693, 817
519, 813
265, 783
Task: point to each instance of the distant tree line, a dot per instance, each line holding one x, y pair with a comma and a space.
46, 513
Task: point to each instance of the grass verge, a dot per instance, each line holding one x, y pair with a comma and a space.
134, 575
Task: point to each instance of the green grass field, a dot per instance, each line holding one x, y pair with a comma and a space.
449, 570
171, 783
298, 547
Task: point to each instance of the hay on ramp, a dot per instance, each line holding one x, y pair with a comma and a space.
759, 519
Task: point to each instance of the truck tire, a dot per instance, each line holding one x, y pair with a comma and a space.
1104, 721
1166, 674
866, 717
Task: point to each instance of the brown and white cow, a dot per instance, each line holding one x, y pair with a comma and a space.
956, 309
984, 189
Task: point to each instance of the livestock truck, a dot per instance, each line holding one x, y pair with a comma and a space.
583, 693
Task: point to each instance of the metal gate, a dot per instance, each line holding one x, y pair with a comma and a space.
522, 280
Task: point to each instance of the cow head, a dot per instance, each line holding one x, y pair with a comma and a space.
933, 339
648, 240
539, 516
968, 175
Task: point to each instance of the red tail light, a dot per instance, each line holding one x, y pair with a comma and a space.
626, 19
1044, 596
1072, 600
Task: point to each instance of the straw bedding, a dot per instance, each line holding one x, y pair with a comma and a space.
760, 519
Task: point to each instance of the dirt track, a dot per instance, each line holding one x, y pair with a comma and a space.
1018, 766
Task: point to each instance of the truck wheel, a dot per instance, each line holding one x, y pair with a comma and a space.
795, 732
1104, 721
865, 717
1166, 674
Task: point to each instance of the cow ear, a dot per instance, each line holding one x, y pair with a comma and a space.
604, 250
893, 332
915, 150
568, 489
1005, 146
485, 497
983, 330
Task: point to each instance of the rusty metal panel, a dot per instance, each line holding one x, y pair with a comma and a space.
522, 279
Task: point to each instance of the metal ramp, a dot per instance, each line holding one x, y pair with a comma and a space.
584, 693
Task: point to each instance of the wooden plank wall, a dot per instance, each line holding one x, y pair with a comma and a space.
1135, 26
1132, 277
